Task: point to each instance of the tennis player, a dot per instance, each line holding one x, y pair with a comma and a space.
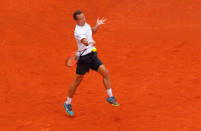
88, 60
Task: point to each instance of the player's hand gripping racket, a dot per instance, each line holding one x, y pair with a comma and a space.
73, 58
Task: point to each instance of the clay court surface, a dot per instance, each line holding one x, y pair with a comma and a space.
152, 49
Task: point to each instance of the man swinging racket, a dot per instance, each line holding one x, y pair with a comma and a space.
88, 59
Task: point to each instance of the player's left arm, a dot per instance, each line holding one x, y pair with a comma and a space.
98, 23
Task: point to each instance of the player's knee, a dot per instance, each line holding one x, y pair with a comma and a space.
76, 83
103, 71
106, 73
78, 80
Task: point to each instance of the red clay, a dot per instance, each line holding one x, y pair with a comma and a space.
151, 48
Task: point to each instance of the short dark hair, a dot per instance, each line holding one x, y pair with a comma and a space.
77, 12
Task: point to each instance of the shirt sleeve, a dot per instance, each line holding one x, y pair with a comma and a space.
79, 35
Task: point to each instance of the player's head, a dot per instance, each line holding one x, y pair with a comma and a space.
79, 17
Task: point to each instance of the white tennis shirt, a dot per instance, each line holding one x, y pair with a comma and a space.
83, 32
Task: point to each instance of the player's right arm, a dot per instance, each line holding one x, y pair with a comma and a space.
81, 36
85, 41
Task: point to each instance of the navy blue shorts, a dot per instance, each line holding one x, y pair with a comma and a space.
87, 62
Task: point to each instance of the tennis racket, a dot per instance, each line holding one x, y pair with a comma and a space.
73, 58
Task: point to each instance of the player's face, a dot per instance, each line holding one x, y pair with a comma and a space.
80, 19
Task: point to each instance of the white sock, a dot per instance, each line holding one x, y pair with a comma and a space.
109, 92
68, 100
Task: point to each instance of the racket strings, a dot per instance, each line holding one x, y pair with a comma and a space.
71, 60
74, 57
